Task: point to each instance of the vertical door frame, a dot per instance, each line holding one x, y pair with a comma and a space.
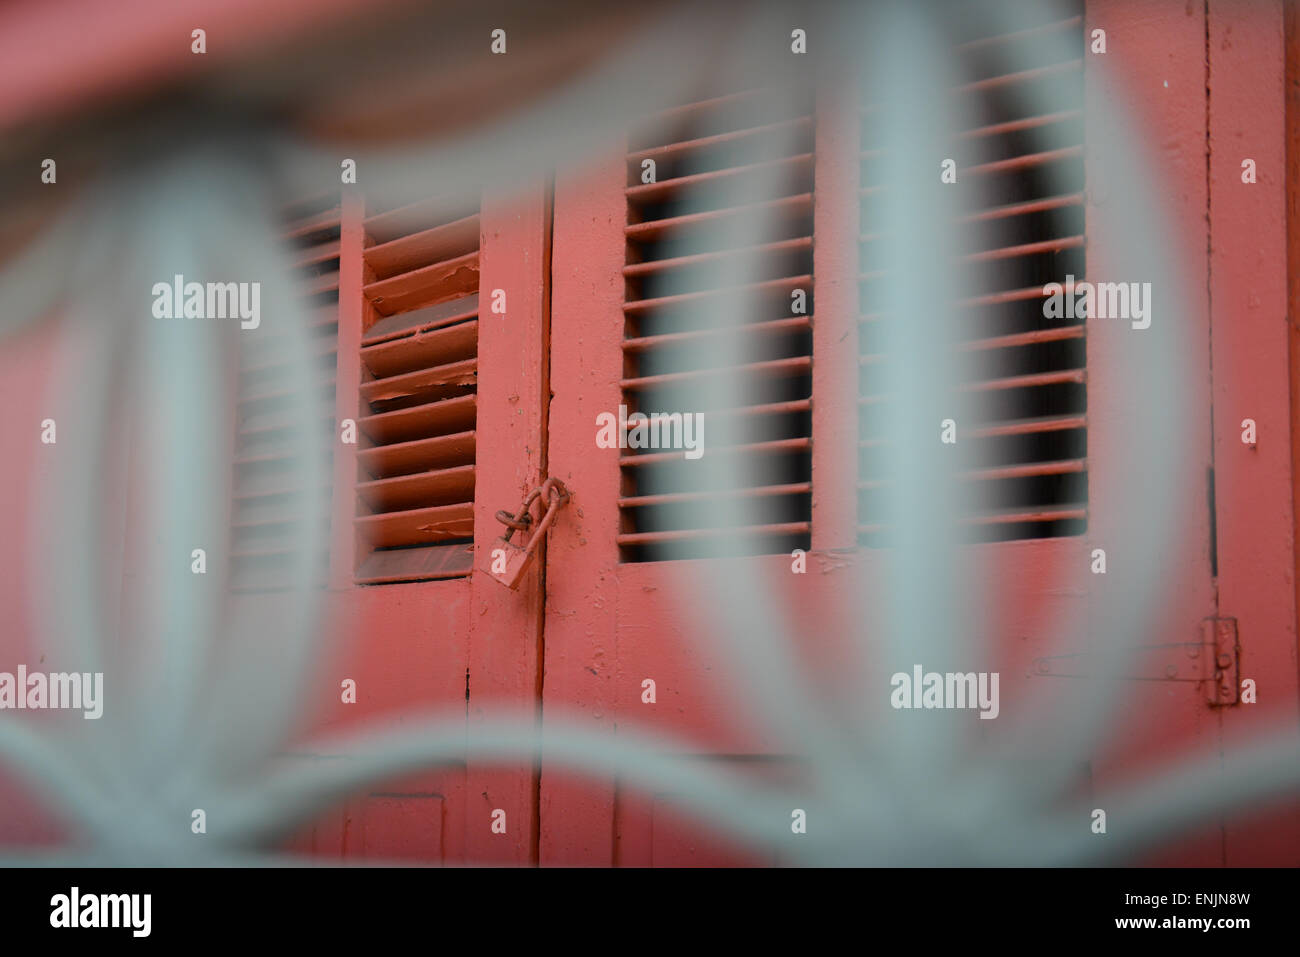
1248, 113
505, 647
583, 683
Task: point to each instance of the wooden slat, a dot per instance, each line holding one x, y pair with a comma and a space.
1024, 209
420, 489
463, 373
751, 411
1027, 470
777, 446
421, 455
1021, 76
769, 170
384, 566
1053, 423
696, 534
425, 287
795, 365
1059, 244
447, 416
999, 472
1034, 380
1017, 515
1012, 516
423, 350
1034, 337
792, 127
421, 320
1026, 249
419, 526
766, 287
685, 498
1020, 125
719, 258
772, 327
439, 244
771, 211
1026, 161
1002, 298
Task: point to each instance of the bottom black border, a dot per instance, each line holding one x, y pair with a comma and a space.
571, 907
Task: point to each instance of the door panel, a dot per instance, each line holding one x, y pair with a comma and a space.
610, 624
464, 646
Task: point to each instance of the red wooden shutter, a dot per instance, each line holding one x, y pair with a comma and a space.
1020, 156
681, 235
419, 355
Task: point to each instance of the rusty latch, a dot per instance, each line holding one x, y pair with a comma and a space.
1215, 660
508, 560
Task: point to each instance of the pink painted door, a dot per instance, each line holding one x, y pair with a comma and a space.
448, 400
632, 564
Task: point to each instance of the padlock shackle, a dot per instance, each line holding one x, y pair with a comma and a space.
556, 494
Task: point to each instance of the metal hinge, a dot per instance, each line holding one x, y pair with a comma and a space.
1221, 634
1214, 660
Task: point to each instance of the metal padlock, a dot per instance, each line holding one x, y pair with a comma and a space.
507, 560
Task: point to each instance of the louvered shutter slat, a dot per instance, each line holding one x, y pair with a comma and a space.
409, 491
775, 291
437, 244
421, 320
420, 526
442, 451
427, 286
435, 348
403, 425
784, 209
421, 381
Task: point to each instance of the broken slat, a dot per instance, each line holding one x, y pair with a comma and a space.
427, 286
420, 526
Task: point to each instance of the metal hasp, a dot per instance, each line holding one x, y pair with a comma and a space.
1214, 660
508, 560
